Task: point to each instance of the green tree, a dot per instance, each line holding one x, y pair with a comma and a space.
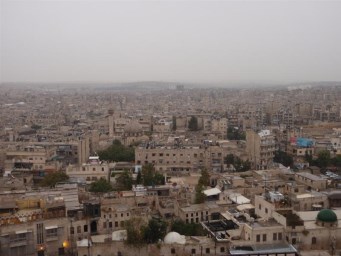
203, 182
204, 178
308, 158
117, 153
283, 158
323, 159
36, 127
187, 229
135, 232
139, 177
151, 177
229, 159
51, 179
174, 123
155, 231
125, 181
235, 134
199, 194
336, 161
193, 124
100, 186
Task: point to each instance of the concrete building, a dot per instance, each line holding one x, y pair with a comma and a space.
90, 171
260, 148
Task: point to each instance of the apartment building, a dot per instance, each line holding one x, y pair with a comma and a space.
91, 171
311, 181
260, 148
182, 159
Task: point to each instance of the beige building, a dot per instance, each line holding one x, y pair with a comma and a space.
311, 181
260, 148
182, 159
91, 171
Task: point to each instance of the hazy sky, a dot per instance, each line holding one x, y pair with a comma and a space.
197, 41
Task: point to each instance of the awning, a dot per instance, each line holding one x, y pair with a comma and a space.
243, 207
239, 199
212, 191
22, 231
51, 227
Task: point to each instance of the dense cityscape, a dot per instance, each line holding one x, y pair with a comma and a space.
170, 169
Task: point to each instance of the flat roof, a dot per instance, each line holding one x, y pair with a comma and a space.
212, 191
239, 199
310, 176
262, 249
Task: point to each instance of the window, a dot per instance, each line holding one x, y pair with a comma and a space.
102, 169
264, 237
258, 238
193, 251
279, 236
222, 249
85, 228
72, 230
259, 207
313, 240
207, 250
172, 251
266, 210
51, 232
110, 224
274, 236
19, 237
94, 169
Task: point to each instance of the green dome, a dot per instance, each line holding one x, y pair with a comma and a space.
326, 215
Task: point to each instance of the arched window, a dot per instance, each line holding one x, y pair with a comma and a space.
313, 240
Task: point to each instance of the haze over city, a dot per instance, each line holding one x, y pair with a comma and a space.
174, 41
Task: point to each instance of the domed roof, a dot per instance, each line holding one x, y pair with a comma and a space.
326, 215
174, 237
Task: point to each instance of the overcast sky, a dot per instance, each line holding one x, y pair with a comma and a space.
189, 41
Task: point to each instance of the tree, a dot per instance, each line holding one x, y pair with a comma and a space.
229, 159
283, 158
203, 182
235, 134
155, 231
336, 161
238, 164
323, 159
51, 179
193, 124
100, 186
150, 177
139, 177
117, 152
187, 229
125, 181
36, 127
204, 178
199, 194
135, 232
174, 123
